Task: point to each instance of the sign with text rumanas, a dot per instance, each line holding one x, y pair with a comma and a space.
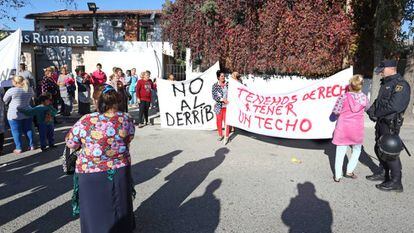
64, 38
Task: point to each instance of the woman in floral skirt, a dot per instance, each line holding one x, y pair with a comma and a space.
103, 166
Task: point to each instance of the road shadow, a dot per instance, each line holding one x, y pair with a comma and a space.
307, 213
368, 161
164, 211
200, 214
326, 145
55, 218
149, 168
234, 132
32, 181
51, 221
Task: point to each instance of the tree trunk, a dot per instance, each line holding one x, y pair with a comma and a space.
378, 48
409, 76
345, 59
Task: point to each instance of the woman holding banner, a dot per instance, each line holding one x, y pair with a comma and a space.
219, 91
349, 130
236, 76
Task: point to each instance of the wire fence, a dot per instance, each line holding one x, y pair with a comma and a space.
177, 70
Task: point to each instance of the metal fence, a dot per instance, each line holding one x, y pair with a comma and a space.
177, 70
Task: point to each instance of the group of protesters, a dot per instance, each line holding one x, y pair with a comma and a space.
95, 131
102, 138
134, 90
29, 103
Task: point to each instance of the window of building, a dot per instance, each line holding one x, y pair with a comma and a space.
54, 27
143, 31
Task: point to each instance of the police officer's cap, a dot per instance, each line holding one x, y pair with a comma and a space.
383, 64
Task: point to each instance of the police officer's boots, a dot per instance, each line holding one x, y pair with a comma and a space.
386, 177
394, 185
377, 177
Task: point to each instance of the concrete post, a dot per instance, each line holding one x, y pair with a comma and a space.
188, 64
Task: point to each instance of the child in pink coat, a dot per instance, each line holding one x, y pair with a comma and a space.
349, 130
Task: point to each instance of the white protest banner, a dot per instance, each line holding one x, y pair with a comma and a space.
188, 104
302, 114
9, 56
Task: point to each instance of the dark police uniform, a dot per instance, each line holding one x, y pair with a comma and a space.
387, 110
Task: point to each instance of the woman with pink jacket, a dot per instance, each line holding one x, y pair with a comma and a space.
349, 130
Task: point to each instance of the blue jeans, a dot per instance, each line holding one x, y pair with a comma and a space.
46, 132
134, 98
20, 127
339, 159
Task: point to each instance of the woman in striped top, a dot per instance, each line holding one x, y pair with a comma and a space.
16, 97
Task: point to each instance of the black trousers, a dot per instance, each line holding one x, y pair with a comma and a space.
382, 128
84, 108
143, 111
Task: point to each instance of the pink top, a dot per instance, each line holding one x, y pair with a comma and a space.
98, 77
349, 128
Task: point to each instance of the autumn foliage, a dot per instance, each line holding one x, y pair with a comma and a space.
309, 38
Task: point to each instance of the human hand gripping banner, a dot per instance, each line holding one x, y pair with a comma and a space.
188, 104
299, 114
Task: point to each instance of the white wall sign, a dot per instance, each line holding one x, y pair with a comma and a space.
142, 61
301, 113
66, 38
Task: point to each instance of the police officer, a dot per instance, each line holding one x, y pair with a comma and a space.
387, 111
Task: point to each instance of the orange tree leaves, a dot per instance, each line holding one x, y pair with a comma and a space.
308, 38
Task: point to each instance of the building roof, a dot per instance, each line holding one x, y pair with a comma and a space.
88, 14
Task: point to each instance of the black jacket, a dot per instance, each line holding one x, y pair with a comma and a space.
393, 98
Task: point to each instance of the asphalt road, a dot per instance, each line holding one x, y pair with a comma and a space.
187, 181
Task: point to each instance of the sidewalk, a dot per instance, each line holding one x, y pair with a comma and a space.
186, 181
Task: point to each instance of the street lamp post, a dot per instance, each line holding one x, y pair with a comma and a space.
92, 7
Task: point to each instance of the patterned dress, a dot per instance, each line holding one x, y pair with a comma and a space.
219, 93
104, 140
48, 85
